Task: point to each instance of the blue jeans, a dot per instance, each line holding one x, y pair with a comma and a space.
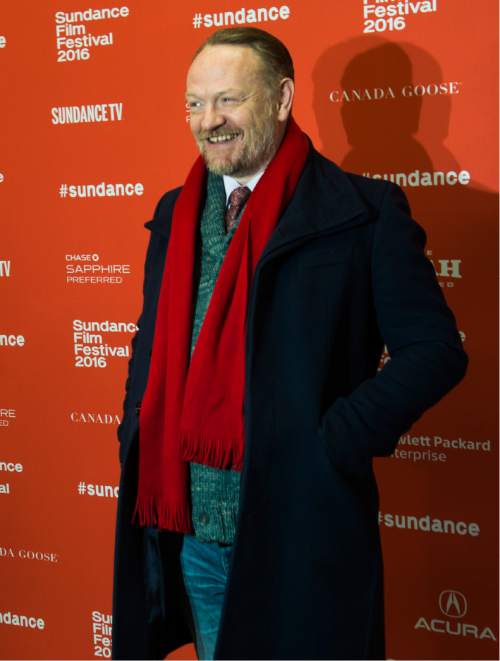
205, 568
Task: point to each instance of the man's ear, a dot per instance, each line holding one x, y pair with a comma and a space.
287, 91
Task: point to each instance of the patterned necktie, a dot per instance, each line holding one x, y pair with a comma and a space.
237, 201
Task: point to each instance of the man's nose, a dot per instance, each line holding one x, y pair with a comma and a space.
212, 118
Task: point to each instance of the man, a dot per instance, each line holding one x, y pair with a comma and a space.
247, 517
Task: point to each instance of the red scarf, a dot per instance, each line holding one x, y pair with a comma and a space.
193, 410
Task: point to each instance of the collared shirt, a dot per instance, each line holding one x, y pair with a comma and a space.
230, 183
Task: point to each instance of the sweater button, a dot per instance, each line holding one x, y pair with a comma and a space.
204, 518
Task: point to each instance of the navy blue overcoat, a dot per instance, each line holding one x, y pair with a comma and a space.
343, 273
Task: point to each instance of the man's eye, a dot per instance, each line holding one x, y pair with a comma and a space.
193, 105
229, 100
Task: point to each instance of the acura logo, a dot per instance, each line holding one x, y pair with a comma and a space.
452, 603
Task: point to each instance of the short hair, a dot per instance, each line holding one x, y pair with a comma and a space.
276, 61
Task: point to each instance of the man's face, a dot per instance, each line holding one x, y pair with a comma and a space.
233, 112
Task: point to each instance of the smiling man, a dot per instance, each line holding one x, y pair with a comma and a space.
237, 121
248, 508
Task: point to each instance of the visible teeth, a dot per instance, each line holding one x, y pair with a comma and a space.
222, 138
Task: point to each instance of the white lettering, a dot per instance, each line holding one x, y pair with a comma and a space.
16, 620
429, 525
91, 15
4, 268
101, 112
12, 340
11, 467
105, 326
420, 178
455, 628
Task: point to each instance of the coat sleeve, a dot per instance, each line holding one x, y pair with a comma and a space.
427, 358
129, 405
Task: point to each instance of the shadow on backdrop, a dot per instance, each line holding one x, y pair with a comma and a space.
367, 125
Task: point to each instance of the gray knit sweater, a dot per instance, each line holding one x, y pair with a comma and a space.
214, 492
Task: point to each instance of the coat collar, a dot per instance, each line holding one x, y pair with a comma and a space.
325, 200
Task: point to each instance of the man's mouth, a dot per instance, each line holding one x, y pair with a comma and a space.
225, 137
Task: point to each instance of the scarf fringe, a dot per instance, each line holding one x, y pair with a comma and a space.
148, 512
210, 451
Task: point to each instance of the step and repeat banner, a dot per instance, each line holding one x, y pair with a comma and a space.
93, 125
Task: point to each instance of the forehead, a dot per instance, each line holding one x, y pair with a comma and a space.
223, 67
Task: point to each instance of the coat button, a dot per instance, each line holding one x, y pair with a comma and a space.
138, 407
204, 518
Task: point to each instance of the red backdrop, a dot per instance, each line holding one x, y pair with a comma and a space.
94, 131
